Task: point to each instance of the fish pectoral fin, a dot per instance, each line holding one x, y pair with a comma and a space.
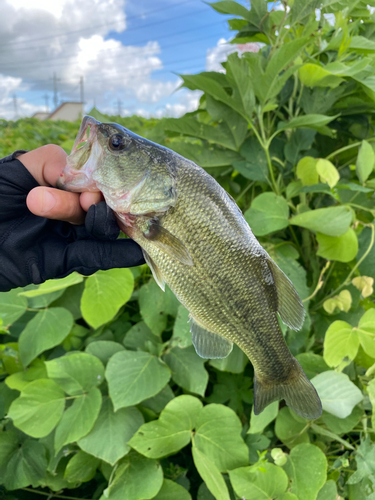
297, 390
155, 270
289, 307
168, 243
208, 344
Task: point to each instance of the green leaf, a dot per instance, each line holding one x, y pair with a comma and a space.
338, 394
259, 422
210, 475
155, 305
366, 332
81, 468
255, 166
328, 491
230, 7
367, 266
342, 301
238, 74
136, 478
312, 364
342, 248
259, 482
234, 363
109, 437
104, 349
51, 286
306, 171
365, 161
47, 329
187, 369
206, 157
328, 172
26, 466
181, 330
12, 306
313, 75
333, 221
290, 428
76, 372
158, 403
268, 213
308, 121
105, 292
39, 408
172, 491
307, 469
218, 437
8, 445
340, 342
343, 425
171, 432
78, 419
135, 376
365, 458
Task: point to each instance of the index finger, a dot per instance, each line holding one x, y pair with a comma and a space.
45, 164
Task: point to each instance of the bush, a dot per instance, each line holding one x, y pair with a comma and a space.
103, 393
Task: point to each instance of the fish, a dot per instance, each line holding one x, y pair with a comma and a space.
195, 239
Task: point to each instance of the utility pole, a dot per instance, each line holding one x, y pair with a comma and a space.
82, 89
119, 110
55, 80
15, 104
46, 98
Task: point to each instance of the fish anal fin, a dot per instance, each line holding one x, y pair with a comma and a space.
208, 344
290, 307
168, 243
155, 270
297, 390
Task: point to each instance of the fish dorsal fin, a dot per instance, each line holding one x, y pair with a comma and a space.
168, 243
290, 307
208, 344
155, 270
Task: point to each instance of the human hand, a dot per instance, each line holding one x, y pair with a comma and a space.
41, 238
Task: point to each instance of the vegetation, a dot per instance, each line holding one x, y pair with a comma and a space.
103, 395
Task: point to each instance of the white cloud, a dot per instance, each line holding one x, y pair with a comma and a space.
218, 55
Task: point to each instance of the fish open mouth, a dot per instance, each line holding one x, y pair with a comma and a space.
86, 133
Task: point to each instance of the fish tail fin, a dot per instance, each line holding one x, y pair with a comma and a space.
297, 390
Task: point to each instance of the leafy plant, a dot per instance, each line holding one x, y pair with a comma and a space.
103, 395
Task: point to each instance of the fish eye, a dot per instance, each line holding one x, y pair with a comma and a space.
117, 142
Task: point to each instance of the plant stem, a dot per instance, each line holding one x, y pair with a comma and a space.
50, 495
244, 191
295, 240
346, 148
270, 168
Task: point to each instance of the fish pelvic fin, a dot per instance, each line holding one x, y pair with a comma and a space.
297, 390
290, 306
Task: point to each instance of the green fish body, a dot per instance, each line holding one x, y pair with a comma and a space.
196, 240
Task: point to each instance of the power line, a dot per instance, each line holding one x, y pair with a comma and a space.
92, 28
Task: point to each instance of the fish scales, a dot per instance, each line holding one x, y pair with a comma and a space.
197, 241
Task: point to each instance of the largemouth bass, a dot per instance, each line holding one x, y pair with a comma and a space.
195, 239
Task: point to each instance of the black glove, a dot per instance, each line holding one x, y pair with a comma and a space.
34, 249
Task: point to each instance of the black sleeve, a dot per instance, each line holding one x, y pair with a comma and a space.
34, 249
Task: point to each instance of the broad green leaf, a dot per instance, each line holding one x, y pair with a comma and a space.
238, 74
171, 432
206, 157
342, 248
26, 466
290, 428
308, 121
331, 435
343, 425
218, 437
365, 161
155, 305
76, 372
47, 329
19, 380
210, 475
365, 458
104, 349
268, 213
140, 338
39, 408
135, 376
342, 301
364, 284
340, 342
366, 332
78, 419
338, 394
50, 286
111, 432
181, 330
158, 403
234, 363
187, 369
306, 171
312, 364
172, 491
259, 422
255, 166
328, 491
12, 306
136, 478
307, 469
259, 481
327, 172
313, 75
333, 221
8, 444
81, 468
367, 266
231, 7
105, 292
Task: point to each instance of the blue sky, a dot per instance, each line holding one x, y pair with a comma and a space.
126, 50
